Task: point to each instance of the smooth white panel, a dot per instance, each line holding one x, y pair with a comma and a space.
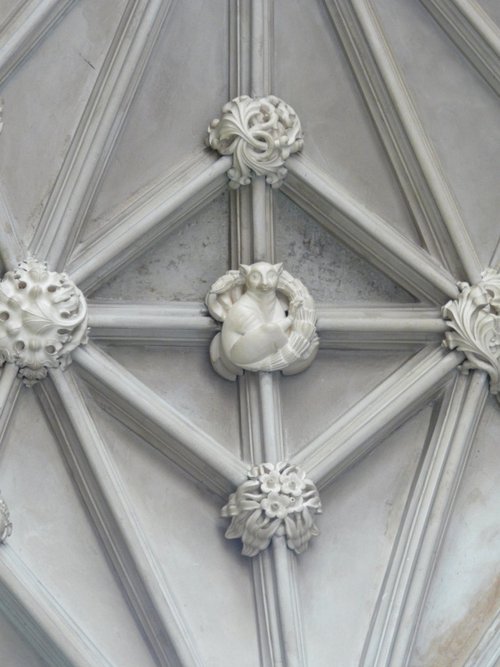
43, 102
459, 112
312, 74
180, 267
330, 270
53, 536
184, 87
465, 591
340, 575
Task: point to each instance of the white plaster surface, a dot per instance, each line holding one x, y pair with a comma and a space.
459, 112
361, 513
337, 381
185, 532
54, 538
332, 272
166, 121
186, 380
339, 135
465, 591
168, 272
43, 103
14, 651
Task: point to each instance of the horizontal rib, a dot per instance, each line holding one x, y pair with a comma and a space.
412, 155
171, 323
25, 29
98, 130
475, 34
114, 518
151, 215
49, 629
366, 233
153, 419
402, 597
385, 408
378, 327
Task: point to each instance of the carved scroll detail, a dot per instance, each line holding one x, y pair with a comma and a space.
475, 319
260, 133
277, 499
43, 317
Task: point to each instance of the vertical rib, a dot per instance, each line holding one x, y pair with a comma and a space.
99, 128
114, 518
262, 44
12, 250
415, 163
401, 600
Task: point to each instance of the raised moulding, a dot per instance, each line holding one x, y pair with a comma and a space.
5, 522
268, 321
43, 317
475, 319
277, 499
260, 133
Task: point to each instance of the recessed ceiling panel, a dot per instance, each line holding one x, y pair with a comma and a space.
337, 380
184, 87
330, 270
209, 579
43, 102
312, 74
184, 377
14, 650
464, 128
54, 537
180, 267
465, 590
341, 573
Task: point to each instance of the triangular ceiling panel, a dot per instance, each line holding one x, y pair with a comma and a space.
168, 120
339, 380
464, 594
339, 134
54, 538
14, 650
189, 259
331, 271
464, 129
38, 127
185, 532
184, 378
373, 495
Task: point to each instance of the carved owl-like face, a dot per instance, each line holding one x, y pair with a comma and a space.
261, 276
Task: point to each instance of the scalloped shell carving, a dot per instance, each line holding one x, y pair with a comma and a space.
5, 522
277, 499
260, 133
43, 317
475, 319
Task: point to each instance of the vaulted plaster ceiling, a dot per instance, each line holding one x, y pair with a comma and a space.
115, 469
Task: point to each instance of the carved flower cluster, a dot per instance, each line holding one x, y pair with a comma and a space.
43, 317
5, 523
475, 319
276, 499
260, 134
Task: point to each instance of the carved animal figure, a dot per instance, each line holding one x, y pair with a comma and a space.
256, 325
268, 321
